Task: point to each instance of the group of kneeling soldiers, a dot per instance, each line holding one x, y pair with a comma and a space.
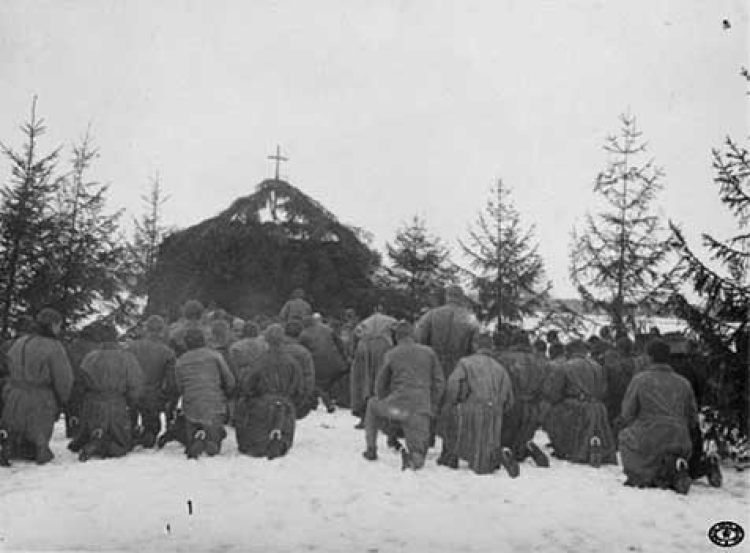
439, 377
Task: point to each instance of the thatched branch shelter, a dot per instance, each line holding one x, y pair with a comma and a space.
251, 256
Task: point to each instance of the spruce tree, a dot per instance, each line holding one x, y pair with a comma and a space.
618, 259
722, 283
28, 225
506, 268
88, 272
420, 265
148, 236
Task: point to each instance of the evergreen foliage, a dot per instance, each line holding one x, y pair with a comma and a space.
721, 282
420, 266
250, 257
149, 234
28, 224
618, 259
87, 270
506, 268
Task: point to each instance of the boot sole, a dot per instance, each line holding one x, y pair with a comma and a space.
538, 456
509, 463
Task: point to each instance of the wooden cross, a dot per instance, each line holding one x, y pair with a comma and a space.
278, 158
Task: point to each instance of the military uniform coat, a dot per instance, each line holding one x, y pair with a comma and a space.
329, 363
204, 381
478, 394
411, 379
157, 362
528, 372
449, 330
267, 402
112, 381
374, 334
39, 384
658, 411
296, 308
576, 389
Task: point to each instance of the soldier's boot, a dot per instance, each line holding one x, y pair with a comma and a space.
94, 447
394, 443
138, 433
509, 463
276, 447
449, 460
371, 454
164, 439
4, 448
72, 426
212, 448
76, 443
682, 480
143, 437
198, 445
148, 441
538, 456
406, 460
595, 452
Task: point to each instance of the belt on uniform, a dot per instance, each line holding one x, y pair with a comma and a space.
583, 397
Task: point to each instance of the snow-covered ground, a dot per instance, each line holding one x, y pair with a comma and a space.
325, 497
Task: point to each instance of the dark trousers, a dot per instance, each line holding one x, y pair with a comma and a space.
148, 409
416, 427
215, 432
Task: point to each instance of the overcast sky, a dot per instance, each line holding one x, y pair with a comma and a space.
386, 109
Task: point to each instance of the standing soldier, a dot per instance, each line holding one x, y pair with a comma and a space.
375, 338
449, 330
296, 307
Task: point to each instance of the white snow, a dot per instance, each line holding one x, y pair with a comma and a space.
325, 497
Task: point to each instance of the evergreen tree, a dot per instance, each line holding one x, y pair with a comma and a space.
28, 226
722, 282
149, 234
87, 269
506, 268
420, 265
618, 258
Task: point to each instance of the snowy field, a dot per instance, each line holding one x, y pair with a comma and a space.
325, 497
